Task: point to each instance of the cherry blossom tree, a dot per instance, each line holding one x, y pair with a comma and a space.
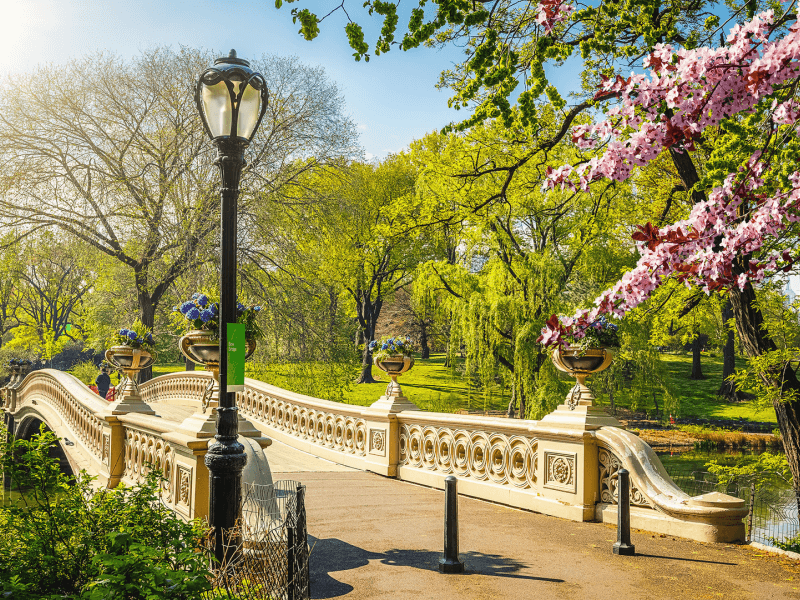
732, 238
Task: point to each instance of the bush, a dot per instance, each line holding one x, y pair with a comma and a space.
62, 539
86, 371
791, 544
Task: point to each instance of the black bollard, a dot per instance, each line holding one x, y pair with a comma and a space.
449, 563
623, 545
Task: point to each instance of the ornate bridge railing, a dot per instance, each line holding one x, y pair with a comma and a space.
564, 465
117, 447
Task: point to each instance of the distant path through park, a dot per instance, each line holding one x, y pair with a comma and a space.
375, 537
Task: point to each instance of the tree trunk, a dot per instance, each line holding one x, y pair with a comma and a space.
147, 315
368, 330
423, 340
755, 340
697, 371
727, 388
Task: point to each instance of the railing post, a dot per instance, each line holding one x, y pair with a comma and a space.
623, 545
749, 537
291, 556
449, 563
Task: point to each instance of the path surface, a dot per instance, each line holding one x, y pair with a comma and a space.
374, 537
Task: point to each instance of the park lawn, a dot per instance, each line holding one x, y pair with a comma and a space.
429, 384
434, 387
164, 369
699, 399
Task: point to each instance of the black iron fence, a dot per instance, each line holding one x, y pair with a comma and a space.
772, 517
268, 556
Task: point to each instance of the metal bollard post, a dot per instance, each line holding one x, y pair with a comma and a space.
449, 563
623, 545
291, 560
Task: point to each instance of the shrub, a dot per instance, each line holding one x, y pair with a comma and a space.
62, 539
86, 371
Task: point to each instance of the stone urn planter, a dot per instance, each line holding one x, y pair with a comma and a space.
199, 347
130, 361
394, 365
580, 365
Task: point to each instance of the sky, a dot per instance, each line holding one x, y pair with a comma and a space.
392, 99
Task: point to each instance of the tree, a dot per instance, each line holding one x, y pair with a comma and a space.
113, 154
9, 286
54, 279
739, 95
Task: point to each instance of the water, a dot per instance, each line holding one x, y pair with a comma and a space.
775, 514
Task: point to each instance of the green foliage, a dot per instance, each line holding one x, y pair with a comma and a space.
766, 373
759, 469
65, 539
86, 371
791, 544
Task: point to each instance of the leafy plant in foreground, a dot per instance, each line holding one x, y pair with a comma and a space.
64, 539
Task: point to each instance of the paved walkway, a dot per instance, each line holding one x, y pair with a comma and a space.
374, 537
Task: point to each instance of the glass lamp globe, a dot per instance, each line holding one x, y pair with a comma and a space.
232, 99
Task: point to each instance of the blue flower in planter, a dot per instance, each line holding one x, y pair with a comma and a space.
193, 313
186, 307
132, 335
202, 300
206, 315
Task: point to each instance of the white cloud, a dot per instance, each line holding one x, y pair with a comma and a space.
369, 156
361, 126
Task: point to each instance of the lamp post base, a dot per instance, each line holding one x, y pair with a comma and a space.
623, 549
450, 566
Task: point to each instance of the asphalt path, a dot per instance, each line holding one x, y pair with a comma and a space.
375, 537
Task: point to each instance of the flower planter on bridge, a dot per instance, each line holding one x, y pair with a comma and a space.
201, 348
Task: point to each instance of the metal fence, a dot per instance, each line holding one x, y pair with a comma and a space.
269, 557
773, 507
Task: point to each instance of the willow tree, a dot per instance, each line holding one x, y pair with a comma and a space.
113, 153
521, 253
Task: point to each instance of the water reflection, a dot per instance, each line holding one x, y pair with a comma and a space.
774, 508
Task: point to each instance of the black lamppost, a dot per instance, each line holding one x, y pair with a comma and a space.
232, 99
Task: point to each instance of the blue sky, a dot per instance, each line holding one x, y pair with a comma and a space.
392, 98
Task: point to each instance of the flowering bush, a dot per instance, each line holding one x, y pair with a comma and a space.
137, 337
392, 346
201, 313
579, 332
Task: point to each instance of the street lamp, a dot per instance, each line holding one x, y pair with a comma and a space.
232, 99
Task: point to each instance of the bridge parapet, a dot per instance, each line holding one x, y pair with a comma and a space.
123, 448
558, 466
183, 388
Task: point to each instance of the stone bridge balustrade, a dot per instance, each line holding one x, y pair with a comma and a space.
563, 465
122, 448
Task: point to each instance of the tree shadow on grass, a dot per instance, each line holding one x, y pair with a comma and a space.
332, 555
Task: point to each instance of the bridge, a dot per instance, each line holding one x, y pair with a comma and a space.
564, 465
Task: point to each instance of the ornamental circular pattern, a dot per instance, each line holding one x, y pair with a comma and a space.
561, 470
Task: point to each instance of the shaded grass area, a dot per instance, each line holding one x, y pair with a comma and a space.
699, 399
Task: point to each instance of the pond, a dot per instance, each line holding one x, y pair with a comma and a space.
774, 514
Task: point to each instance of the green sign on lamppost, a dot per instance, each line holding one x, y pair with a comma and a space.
232, 99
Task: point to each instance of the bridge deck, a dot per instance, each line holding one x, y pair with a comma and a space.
375, 537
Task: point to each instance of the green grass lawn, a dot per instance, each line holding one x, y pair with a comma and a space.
434, 387
699, 399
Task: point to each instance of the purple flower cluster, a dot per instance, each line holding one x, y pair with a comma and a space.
128, 337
